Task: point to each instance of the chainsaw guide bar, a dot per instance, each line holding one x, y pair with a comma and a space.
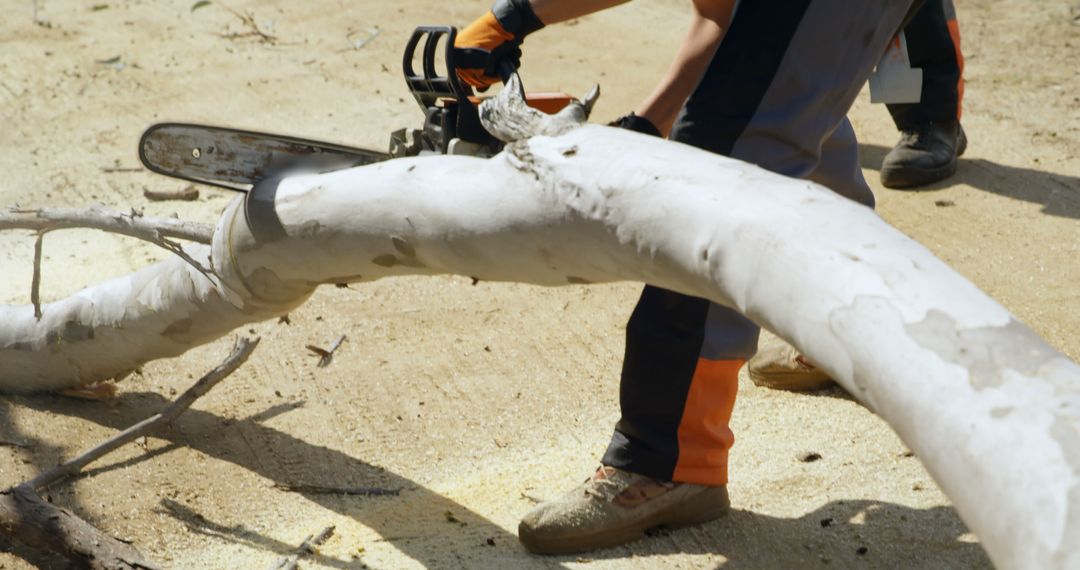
236, 159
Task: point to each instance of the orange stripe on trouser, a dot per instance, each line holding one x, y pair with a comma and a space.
704, 435
954, 32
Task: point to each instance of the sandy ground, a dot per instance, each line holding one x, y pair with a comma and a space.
476, 401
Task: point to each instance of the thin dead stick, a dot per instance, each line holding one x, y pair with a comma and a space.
39, 524
309, 546
188, 194
35, 282
115, 169
154, 230
157, 231
6, 443
240, 353
248, 19
320, 490
48, 528
326, 354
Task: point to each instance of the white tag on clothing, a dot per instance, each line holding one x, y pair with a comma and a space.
894, 80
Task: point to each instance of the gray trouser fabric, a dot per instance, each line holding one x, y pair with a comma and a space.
775, 94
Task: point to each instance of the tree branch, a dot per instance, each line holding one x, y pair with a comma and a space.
35, 283
239, 355
154, 230
158, 231
307, 547
39, 524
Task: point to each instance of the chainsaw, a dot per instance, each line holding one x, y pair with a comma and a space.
238, 159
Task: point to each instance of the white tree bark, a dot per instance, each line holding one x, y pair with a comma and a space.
991, 410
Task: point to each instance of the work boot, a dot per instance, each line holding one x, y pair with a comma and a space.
926, 153
779, 366
613, 507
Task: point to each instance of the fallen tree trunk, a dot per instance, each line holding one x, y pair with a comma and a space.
991, 410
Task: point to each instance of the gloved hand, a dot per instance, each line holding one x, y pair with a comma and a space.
493, 37
636, 123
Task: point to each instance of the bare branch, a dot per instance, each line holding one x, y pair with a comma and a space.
240, 354
310, 544
154, 230
39, 524
99, 217
44, 526
35, 283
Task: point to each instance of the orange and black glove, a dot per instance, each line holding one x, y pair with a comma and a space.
491, 39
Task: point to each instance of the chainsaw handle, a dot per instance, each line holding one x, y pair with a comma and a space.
506, 69
428, 86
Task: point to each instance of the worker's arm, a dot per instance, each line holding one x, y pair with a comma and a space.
497, 35
710, 22
555, 11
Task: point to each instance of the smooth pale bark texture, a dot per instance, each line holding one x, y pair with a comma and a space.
991, 410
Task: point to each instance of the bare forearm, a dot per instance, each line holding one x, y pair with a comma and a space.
555, 11
710, 22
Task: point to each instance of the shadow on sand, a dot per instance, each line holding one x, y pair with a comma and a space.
840, 533
1058, 194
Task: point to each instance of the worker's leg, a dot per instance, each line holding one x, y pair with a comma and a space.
679, 380
777, 99
778, 87
933, 42
932, 137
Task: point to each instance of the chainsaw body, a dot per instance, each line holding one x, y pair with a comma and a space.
237, 159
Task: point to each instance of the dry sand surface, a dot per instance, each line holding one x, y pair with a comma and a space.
476, 401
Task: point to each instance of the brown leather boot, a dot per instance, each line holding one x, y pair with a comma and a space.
614, 507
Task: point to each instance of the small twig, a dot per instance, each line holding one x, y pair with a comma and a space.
115, 169
309, 546
35, 282
532, 499
326, 354
240, 354
6, 443
189, 194
248, 19
320, 490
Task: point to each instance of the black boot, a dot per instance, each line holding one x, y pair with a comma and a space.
926, 153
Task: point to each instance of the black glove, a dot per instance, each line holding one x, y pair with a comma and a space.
636, 123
